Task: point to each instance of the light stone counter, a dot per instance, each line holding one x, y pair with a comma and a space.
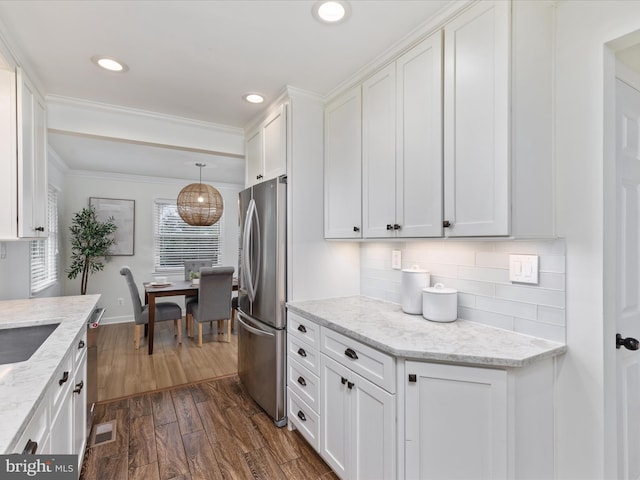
23, 384
385, 326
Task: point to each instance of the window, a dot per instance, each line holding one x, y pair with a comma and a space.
44, 251
175, 241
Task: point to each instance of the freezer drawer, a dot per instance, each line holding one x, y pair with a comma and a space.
261, 365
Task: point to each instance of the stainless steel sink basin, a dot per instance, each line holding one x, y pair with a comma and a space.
18, 344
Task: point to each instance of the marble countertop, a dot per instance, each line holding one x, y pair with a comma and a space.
23, 384
385, 326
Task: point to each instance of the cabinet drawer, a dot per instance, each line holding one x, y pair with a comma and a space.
304, 383
304, 418
375, 366
304, 354
80, 348
62, 378
37, 429
303, 329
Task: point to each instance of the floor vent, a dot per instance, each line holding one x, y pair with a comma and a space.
103, 433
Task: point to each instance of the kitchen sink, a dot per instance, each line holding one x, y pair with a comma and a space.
18, 344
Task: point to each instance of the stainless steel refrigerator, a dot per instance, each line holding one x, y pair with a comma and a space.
261, 315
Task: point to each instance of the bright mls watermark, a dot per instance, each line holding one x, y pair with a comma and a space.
50, 467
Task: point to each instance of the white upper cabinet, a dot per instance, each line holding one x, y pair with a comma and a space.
419, 140
456, 133
23, 160
266, 148
402, 145
498, 159
32, 160
476, 146
343, 166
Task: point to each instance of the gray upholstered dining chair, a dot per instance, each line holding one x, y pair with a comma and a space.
192, 266
214, 298
164, 311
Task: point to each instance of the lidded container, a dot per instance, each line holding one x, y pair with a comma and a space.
413, 281
439, 303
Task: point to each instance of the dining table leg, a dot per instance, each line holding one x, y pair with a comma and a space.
152, 314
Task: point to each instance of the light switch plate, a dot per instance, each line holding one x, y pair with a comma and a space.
523, 269
396, 259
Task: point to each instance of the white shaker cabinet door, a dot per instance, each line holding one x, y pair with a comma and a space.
378, 154
343, 166
275, 144
476, 121
253, 158
419, 140
32, 160
455, 422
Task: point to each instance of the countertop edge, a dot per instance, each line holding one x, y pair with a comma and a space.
432, 356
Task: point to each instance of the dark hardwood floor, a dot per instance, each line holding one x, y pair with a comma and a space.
208, 430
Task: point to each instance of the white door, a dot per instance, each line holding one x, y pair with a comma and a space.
628, 277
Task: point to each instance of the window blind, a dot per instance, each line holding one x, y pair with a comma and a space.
44, 251
175, 241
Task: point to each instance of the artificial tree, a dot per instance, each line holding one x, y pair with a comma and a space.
90, 241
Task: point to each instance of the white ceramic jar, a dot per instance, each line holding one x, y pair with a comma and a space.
439, 303
413, 281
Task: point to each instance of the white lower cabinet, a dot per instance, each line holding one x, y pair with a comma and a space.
79, 406
480, 423
357, 424
455, 422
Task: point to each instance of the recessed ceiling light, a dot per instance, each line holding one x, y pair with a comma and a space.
331, 12
109, 63
253, 98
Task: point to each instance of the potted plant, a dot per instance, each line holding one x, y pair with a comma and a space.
194, 277
90, 240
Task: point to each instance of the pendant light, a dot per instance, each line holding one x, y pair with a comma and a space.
200, 204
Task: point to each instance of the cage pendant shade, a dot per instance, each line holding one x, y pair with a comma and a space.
200, 204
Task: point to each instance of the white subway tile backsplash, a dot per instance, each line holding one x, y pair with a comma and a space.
555, 333
479, 271
539, 296
555, 316
483, 274
551, 281
487, 318
507, 307
492, 259
552, 263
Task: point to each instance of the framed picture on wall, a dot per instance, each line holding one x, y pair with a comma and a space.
123, 213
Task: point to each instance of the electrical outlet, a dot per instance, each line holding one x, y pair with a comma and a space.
121, 301
396, 259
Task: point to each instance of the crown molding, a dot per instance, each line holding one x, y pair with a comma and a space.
437, 21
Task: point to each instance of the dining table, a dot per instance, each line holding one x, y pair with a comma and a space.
153, 290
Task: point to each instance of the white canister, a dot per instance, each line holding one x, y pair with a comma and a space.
439, 303
412, 283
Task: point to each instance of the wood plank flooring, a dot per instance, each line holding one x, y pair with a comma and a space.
124, 371
208, 430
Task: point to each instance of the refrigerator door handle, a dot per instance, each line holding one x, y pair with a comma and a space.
253, 329
246, 244
256, 235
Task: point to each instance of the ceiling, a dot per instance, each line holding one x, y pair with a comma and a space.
194, 59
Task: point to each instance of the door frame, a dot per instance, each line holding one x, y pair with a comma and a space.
613, 69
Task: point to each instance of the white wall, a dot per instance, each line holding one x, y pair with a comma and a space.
479, 270
79, 187
586, 446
